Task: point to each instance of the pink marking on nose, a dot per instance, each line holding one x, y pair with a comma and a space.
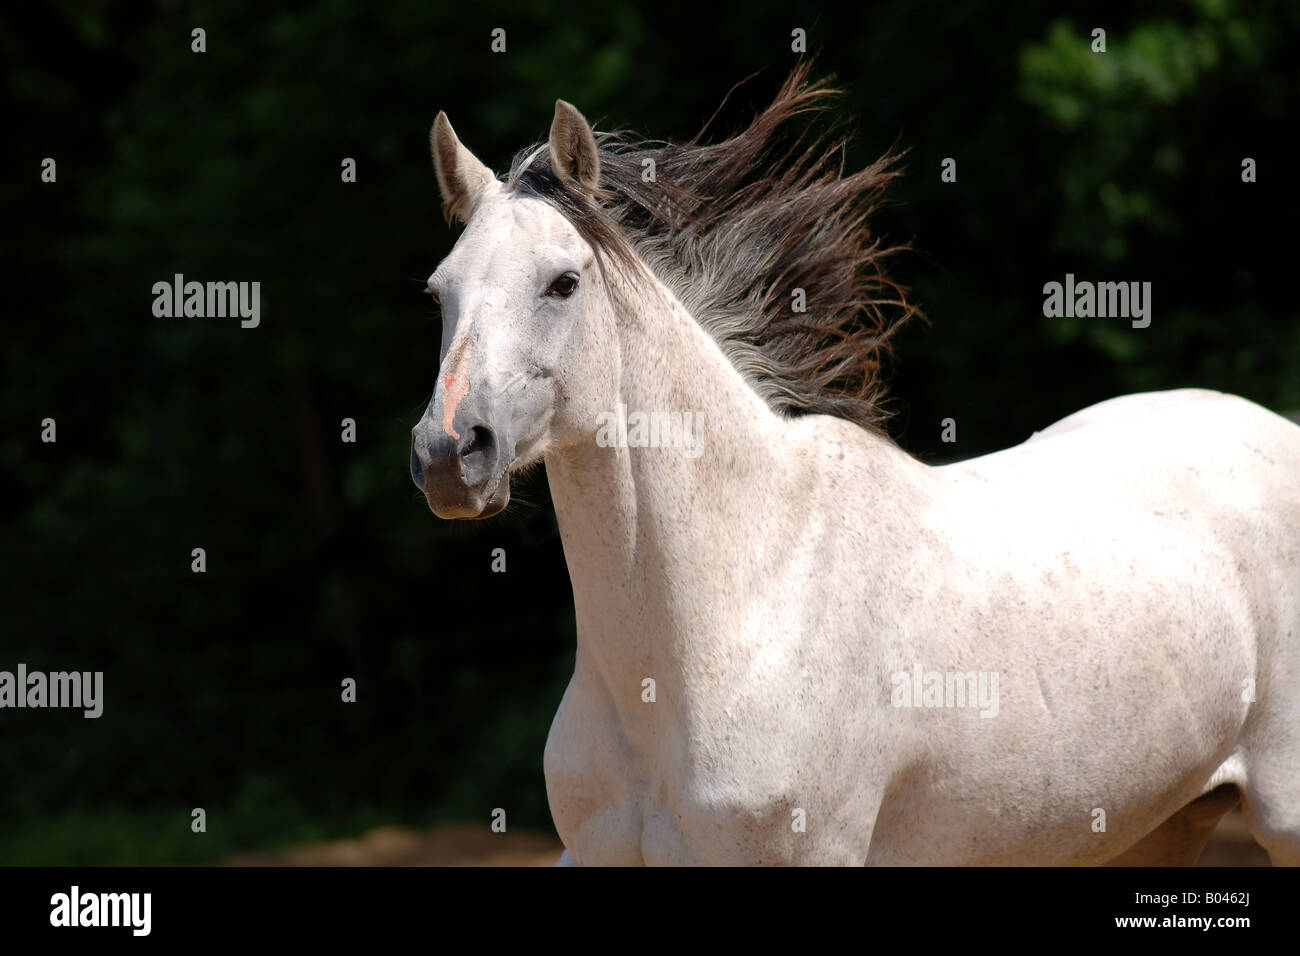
455, 386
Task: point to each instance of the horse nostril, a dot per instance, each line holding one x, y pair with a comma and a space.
417, 470
477, 457
480, 441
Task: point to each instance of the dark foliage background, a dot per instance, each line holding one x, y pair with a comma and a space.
222, 689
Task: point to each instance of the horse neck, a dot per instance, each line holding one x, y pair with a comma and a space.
656, 541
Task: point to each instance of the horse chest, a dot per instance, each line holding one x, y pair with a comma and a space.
623, 794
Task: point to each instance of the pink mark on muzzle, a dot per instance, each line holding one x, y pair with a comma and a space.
455, 385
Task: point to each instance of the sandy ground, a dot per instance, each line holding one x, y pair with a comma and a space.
458, 844
466, 844
1233, 845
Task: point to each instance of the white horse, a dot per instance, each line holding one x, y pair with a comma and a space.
797, 643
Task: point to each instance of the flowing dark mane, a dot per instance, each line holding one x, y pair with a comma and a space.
733, 228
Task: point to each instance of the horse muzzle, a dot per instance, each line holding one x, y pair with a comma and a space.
465, 475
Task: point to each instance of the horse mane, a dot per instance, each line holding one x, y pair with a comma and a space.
733, 228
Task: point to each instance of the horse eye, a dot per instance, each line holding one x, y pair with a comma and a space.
433, 294
563, 286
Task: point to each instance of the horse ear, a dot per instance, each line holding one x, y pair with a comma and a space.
461, 177
573, 148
